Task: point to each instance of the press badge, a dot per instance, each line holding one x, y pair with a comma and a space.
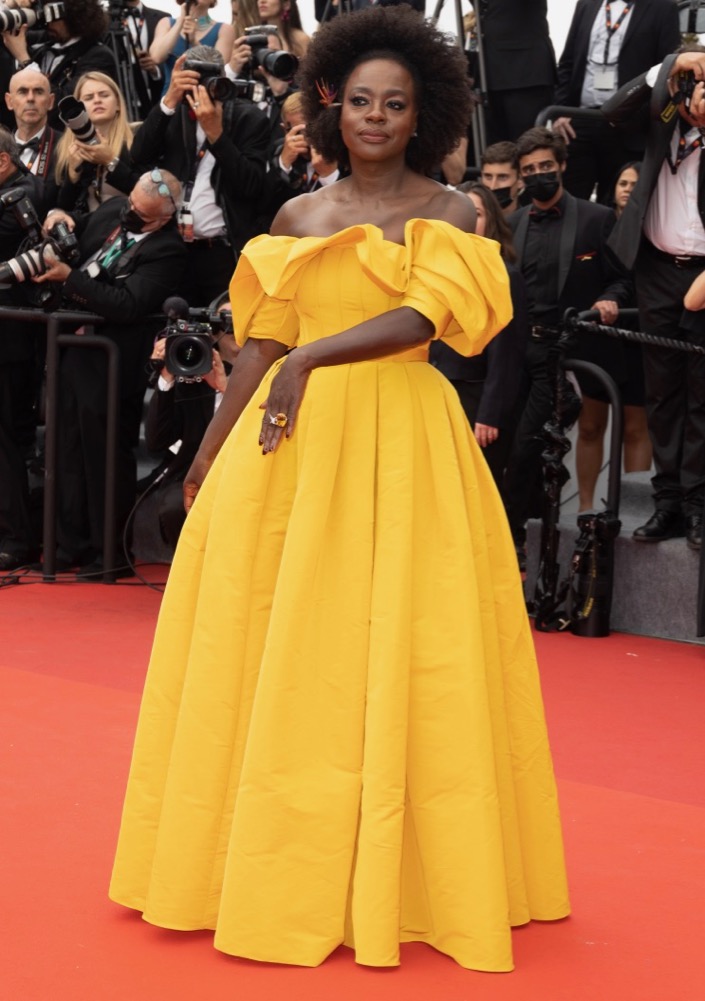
606, 78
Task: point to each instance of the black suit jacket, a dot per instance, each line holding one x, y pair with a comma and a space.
240, 158
137, 287
587, 272
76, 60
517, 47
636, 95
652, 33
17, 343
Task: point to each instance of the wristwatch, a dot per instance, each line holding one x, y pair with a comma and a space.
113, 164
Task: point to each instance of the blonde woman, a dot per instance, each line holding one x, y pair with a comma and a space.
87, 175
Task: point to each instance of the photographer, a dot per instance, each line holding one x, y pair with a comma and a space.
194, 26
253, 52
66, 48
140, 22
88, 173
177, 417
132, 259
30, 100
17, 375
218, 151
295, 167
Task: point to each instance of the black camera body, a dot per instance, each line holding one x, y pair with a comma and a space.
276, 62
219, 87
188, 353
36, 251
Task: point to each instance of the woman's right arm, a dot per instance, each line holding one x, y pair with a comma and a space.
255, 358
166, 36
695, 296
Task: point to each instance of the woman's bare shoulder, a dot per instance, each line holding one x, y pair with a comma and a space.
454, 207
314, 214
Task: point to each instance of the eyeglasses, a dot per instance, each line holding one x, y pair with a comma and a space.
162, 186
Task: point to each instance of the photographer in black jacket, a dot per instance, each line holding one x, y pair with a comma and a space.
218, 151
66, 48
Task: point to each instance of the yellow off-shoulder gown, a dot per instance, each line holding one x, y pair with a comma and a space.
341, 737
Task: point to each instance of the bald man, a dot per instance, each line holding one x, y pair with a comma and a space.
30, 99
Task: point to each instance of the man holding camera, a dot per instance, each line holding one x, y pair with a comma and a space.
132, 259
661, 234
17, 374
69, 46
217, 146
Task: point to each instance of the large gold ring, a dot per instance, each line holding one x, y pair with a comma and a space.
279, 420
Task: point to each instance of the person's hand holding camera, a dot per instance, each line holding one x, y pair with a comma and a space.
217, 378
158, 355
57, 215
295, 145
16, 44
182, 82
209, 114
242, 53
99, 153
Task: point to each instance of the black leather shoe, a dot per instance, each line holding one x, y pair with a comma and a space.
661, 525
694, 531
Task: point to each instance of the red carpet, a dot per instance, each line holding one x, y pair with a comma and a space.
625, 716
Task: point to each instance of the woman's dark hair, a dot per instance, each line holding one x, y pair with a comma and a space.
634, 165
496, 226
86, 19
438, 69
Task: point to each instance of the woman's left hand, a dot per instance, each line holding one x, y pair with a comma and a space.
285, 396
99, 153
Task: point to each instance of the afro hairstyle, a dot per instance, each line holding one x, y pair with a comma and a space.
438, 68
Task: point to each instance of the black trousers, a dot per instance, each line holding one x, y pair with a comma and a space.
497, 452
512, 112
16, 531
81, 454
523, 478
595, 156
675, 384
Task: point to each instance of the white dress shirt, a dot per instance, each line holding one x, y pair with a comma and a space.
672, 221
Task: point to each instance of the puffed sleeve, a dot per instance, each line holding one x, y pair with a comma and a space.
459, 282
261, 292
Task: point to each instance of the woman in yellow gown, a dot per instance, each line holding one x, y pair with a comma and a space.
341, 737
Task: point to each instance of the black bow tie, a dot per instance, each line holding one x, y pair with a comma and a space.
32, 144
553, 213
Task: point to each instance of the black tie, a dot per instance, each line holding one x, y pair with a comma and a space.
32, 144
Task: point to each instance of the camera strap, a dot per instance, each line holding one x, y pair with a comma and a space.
185, 214
683, 151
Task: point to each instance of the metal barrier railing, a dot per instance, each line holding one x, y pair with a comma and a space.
89, 341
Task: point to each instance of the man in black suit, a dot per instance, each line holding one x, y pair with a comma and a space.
30, 99
67, 48
218, 151
520, 65
561, 247
139, 22
17, 359
132, 259
661, 234
608, 44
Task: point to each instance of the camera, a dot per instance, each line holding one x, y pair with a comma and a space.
211, 77
188, 354
14, 18
36, 251
75, 117
277, 63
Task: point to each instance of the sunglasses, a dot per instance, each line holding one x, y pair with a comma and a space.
162, 186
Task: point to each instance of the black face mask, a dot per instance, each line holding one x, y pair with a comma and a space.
504, 196
542, 187
130, 221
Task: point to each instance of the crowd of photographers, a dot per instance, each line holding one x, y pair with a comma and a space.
142, 151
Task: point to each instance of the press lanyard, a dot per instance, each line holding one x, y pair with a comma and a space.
188, 187
116, 247
612, 29
683, 152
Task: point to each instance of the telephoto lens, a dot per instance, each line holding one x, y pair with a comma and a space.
75, 117
12, 19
